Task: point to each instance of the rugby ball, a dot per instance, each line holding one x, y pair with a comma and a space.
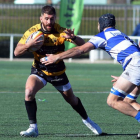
40, 36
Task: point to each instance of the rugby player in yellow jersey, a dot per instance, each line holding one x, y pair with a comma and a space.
55, 36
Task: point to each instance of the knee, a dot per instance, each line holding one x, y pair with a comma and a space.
115, 96
29, 94
111, 102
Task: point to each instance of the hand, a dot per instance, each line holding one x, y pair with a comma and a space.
34, 42
50, 59
69, 34
114, 80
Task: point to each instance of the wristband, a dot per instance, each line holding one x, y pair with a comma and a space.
73, 38
44, 59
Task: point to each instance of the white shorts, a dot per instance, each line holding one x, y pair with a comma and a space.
132, 71
61, 88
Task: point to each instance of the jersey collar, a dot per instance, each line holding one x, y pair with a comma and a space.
47, 32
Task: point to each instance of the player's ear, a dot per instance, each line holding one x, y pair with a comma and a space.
41, 19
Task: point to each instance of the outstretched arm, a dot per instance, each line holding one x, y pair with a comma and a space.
76, 51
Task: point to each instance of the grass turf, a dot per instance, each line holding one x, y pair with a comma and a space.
56, 119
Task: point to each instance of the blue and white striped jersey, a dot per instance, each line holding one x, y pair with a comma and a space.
118, 45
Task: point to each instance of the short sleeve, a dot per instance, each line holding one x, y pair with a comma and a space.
29, 32
24, 37
98, 42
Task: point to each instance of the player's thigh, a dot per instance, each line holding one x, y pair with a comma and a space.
62, 84
120, 90
33, 84
124, 85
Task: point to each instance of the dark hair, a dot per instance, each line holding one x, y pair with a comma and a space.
48, 10
107, 20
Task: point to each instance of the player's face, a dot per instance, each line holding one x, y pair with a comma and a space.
47, 21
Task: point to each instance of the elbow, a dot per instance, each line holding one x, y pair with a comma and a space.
15, 53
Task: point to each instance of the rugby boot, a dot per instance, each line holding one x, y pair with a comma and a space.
92, 126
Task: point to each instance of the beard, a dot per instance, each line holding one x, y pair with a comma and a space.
48, 27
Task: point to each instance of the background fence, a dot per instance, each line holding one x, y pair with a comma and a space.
16, 19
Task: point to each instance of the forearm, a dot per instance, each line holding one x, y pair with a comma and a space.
78, 41
21, 49
69, 53
76, 51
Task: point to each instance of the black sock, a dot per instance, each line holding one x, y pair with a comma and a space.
80, 109
31, 108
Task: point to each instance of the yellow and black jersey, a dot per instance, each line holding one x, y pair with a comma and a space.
53, 44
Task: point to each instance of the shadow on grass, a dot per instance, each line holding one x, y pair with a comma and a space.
71, 135
85, 135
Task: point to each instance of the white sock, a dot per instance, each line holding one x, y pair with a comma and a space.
33, 125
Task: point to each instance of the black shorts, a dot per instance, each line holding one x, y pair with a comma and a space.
54, 80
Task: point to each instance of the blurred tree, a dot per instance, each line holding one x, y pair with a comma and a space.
6, 1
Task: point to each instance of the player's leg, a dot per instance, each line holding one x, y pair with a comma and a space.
138, 136
132, 97
77, 105
61, 83
74, 101
127, 82
33, 85
118, 93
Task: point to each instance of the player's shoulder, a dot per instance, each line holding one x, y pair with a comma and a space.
33, 29
27, 33
101, 35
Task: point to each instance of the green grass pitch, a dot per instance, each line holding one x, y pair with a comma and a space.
56, 119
